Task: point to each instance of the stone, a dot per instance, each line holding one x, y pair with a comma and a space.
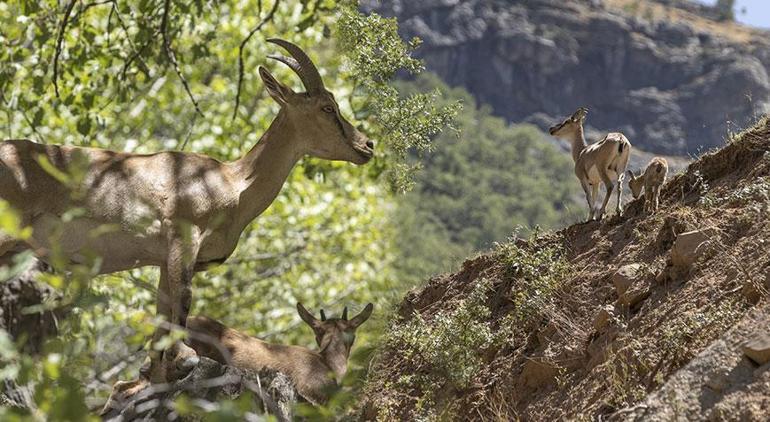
631, 285
718, 382
603, 318
600, 347
635, 295
625, 277
691, 246
537, 372
757, 348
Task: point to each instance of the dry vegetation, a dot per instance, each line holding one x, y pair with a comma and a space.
512, 335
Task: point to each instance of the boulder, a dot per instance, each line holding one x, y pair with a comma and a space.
604, 317
631, 284
625, 277
538, 371
757, 348
691, 246
272, 392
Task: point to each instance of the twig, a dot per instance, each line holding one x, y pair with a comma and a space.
189, 132
240, 52
32, 126
109, 24
59, 40
172, 57
136, 53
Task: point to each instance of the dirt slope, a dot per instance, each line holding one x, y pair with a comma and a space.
536, 330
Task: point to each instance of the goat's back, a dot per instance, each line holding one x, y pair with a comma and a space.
306, 368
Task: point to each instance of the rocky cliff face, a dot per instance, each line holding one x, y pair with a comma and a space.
672, 78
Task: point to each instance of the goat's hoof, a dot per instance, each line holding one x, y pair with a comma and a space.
182, 360
187, 364
122, 393
145, 370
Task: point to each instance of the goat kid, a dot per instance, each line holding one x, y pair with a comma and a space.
314, 374
602, 162
651, 180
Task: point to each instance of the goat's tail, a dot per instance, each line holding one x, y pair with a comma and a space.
622, 144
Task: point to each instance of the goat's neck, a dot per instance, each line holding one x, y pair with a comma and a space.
264, 169
336, 358
578, 142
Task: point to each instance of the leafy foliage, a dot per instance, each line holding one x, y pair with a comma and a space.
125, 74
477, 188
538, 270
406, 122
445, 351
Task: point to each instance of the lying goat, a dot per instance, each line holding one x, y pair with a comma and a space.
314, 374
651, 180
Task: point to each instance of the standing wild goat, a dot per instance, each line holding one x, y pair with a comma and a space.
604, 161
182, 212
314, 374
651, 180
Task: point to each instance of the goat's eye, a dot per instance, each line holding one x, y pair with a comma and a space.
328, 109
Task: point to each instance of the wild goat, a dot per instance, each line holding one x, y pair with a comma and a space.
179, 211
604, 161
314, 374
651, 180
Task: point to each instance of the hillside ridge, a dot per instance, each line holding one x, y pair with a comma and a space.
600, 317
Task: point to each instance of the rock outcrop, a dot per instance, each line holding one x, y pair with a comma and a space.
666, 73
273, 393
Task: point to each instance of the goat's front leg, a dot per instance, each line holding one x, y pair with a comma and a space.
650, 200
594, 196
174, 300
619, 208
587, 190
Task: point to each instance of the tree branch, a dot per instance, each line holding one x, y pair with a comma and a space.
172, 57
59, 40
259, 26
84, 8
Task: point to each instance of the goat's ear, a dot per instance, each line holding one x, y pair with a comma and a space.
280, 92
345, 313
305, 315
362, 317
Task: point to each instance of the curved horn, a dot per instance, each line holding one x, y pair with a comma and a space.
300, 64
345, 313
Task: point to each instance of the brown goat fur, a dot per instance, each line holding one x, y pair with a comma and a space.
314, 373
651, 180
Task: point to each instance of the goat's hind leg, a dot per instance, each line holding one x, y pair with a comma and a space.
610, 186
